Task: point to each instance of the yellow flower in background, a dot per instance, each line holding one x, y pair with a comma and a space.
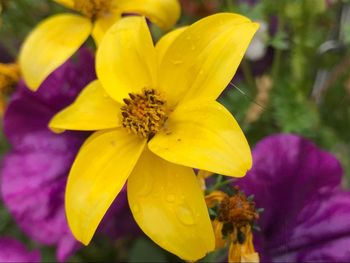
57, 38
9, 76
236, 215
157, 118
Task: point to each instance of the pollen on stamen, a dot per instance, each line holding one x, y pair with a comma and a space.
237, 213
144, 114
92, 8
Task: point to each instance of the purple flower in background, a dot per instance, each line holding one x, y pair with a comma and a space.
34, 173
13, 251
307, 214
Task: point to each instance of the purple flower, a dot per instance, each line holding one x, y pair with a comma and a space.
307, 214
13, 251
34, 173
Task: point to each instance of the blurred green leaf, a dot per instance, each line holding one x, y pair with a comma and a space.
145, 250
280, 40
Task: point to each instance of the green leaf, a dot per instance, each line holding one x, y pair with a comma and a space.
346, 31
280, 41
144, 250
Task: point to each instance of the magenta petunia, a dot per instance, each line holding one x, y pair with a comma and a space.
307, 213
12, 250
35, 171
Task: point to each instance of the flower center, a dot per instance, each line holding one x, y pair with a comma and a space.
144, 114
237, 213
92, 8
234, 219
9, 76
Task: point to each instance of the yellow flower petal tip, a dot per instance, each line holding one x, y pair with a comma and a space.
55, 130
163, 13
205, 57
84, 113
50, 44
118, 66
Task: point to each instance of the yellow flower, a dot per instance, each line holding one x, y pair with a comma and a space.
233, 225
157, 115
9, 76
57, 38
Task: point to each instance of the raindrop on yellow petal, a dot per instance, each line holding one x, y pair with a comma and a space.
185, 215
170, 198
136, 208
176, 62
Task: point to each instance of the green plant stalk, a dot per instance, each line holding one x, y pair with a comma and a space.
278, 52
248, 76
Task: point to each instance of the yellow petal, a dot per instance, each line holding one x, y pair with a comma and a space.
164, 13
169, 206
203, 59
234, 253
249, 255
201, 176
164, 43
215, 198
126, 58
98, 174
93, 110
66, 3
220, 242
102, 24
204, 135
250, 258
50, 44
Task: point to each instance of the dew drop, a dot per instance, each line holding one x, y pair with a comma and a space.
176, 62
170, 198
185, 215
147, 187
135, 208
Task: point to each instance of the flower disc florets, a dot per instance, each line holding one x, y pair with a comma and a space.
9, 76
144, 114
238, 210
92, 8
238, 214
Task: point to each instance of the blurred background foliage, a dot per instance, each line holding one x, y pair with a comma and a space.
300, 84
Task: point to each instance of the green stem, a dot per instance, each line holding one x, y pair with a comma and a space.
248, 76
220, 183
229, 5
278, 53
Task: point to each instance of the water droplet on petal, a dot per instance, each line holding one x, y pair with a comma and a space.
176, 62
185, 215
170, 198
147, 187
135, 208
